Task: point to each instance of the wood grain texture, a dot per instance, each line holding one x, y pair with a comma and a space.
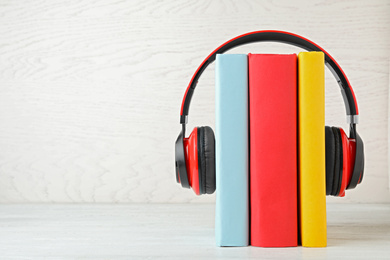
172, 231
90, 91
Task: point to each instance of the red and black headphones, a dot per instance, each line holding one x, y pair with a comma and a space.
195, 155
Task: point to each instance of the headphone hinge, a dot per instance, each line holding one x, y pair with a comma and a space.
183, 119
353, 119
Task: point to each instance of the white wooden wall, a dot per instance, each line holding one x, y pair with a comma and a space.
90, 91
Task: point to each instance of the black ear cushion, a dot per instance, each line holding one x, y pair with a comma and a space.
338, 166
206, 159
330, 155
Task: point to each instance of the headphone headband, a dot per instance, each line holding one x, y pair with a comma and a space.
283, 37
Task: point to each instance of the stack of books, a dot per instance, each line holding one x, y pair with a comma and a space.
270, 150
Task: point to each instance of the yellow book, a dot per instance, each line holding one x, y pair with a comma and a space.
312, 189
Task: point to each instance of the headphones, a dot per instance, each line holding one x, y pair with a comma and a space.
195, 155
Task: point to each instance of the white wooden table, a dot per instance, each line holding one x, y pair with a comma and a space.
172, 231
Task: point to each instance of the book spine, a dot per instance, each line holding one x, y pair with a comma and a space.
273, 149
311, 96
231, 140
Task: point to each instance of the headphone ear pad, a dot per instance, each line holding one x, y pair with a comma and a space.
330, 155
338, 167
206, 155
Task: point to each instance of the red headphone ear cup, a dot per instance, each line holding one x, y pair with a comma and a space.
357, 157
206, 159
192, 160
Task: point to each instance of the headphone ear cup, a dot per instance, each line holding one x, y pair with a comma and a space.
206, 159
330, 157
338, 165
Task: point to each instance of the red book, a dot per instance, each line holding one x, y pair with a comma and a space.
273, 149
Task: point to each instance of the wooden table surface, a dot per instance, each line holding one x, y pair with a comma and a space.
172, 231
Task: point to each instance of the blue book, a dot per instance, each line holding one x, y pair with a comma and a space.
231, 144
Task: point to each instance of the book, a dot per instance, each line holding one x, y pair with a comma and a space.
231, 149
273, 149
312, 187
